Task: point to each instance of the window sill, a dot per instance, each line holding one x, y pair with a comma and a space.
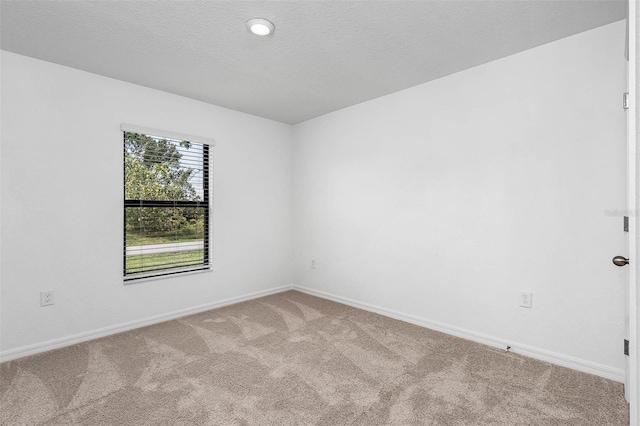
166, 276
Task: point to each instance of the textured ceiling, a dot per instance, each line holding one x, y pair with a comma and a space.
323, 56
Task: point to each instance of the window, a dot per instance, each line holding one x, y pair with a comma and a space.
166, 203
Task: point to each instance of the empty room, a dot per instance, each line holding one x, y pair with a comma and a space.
323, 212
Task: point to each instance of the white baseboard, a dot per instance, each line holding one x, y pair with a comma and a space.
107, 331
532, 352
529, 351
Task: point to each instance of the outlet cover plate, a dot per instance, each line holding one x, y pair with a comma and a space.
46, 298
525, 299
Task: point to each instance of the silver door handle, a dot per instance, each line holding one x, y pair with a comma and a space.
620, 261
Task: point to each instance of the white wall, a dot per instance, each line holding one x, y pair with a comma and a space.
62, 180
440, 203
443, 201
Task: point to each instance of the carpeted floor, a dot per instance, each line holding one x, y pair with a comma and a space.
294, 359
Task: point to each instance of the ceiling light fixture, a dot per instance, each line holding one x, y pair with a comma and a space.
260, 26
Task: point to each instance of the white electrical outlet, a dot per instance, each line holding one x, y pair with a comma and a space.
525, 299
46, 298
313, 264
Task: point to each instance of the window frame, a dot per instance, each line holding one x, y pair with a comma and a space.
205, 203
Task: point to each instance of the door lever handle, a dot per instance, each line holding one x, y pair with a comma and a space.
620, 261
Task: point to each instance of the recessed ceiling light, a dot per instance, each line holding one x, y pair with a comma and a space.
260, 26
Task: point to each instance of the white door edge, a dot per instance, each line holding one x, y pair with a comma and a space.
631, 388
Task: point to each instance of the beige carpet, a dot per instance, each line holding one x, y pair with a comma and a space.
293, 359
